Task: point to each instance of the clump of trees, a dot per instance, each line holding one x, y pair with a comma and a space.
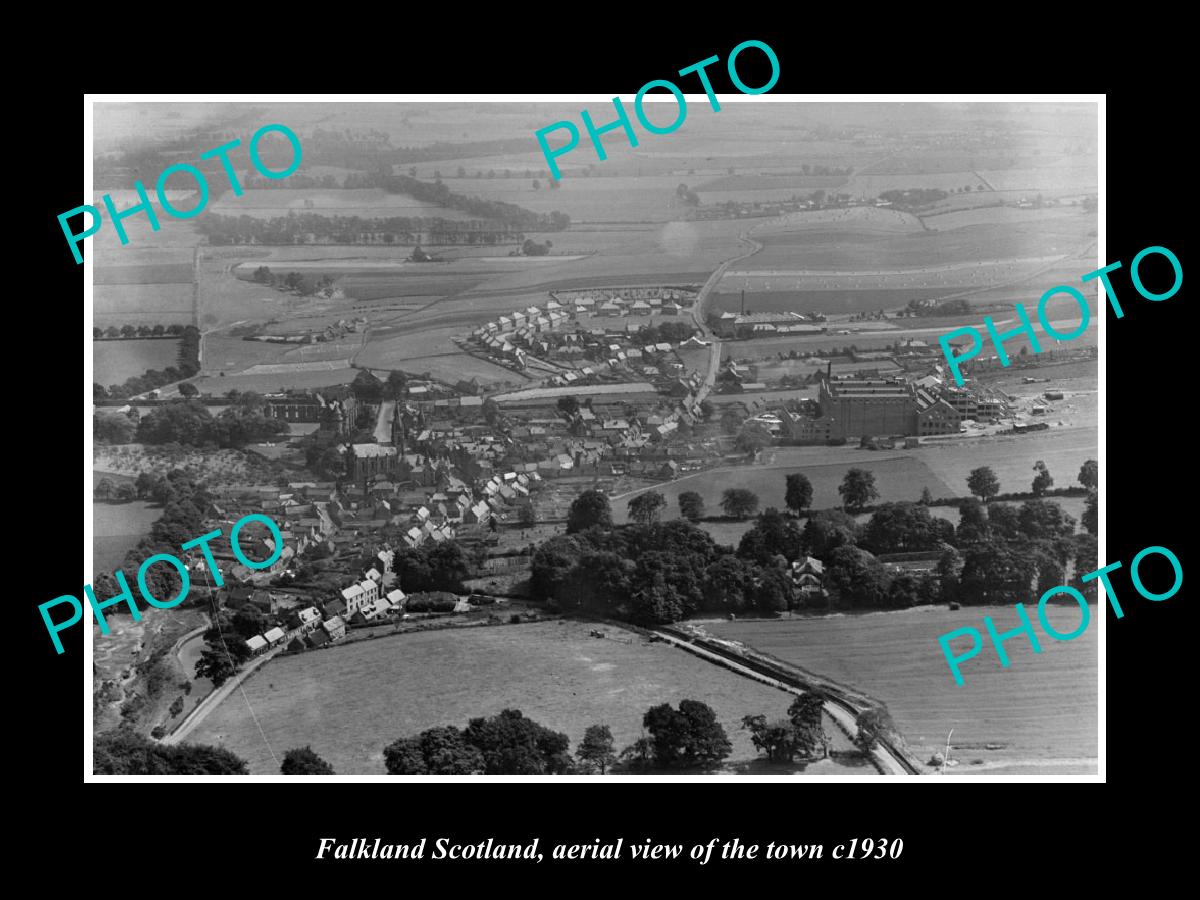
801, 734
441, 567
691, 506
303, 761
661, 572
504, 744
688, 737
124, 752
188, 422
739, 503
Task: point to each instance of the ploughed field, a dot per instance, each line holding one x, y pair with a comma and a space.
352, 701
1039, 714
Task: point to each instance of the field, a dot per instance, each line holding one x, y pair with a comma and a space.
351, 701
117, 527
1041, 711
864, 259
368, 203
649, 198
897, 478
871, 186
115, 361
142, 304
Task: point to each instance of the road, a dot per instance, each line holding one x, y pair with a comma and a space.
888, 762
383, 422
213, 700
714, 350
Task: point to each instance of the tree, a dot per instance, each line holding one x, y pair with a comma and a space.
568, 405
776, 739
1043, 481
395, 384
1090, 518
436, 751
1089, 475
367, 387
249, 621
926, 497
124, 492
982, 482
857, 489
687, 737
855, 577
738, 503
189, 390
589, 510
646, 508
527, 515
728, 584
827, 530
124, 752
798, 495
145, 484
104, 489
303, 761
752, 438
512, 744
772, 535
596, 751
807, 715
904, 528
1044, 520
872, 723
995, 572
215, 665
491, 411
691, 506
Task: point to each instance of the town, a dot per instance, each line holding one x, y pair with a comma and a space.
656, 468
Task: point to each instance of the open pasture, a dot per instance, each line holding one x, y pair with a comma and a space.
115, 361
553, 672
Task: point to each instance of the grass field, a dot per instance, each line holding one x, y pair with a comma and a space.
1041, 710
896, 477
350, 702
115, 361
142, 304
117, 527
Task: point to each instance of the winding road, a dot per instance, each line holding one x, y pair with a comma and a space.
714, 350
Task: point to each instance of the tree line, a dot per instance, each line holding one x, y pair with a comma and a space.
189, 423
686, 737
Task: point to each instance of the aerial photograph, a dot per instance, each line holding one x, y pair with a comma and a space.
480, 459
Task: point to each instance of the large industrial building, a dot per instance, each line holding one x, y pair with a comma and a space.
853, 407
